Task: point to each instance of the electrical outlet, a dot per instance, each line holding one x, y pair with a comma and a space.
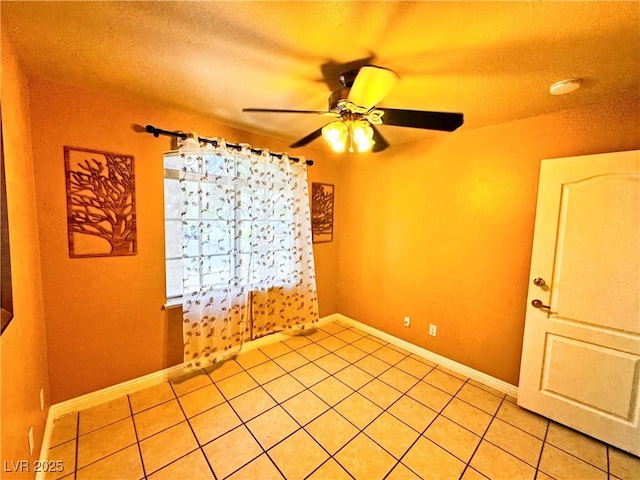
433, 330
407, 321
31, 440
42, 399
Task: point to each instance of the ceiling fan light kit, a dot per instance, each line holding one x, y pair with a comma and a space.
355, 108
356, 135
335, 134
361, 135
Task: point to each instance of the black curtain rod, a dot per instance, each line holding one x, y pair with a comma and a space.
156, 132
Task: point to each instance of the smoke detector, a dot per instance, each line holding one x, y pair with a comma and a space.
565, 86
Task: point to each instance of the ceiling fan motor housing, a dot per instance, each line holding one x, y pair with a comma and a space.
338, 100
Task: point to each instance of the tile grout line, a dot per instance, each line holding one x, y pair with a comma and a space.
192, 432
421, 434
279, 404
157, 404
260, 384
475, 450
331, 407
399, 459
374, 377
383, 410
244, 423
325, 462
418, 379
544, 442
467, 463
422, 378
102, 426
308, 362
109, 455
575, 456
513, 455
504, 399
353, 390
454, 395
135, 431
332, 455
495, 416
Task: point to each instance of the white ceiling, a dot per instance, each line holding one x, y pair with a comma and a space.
492, 61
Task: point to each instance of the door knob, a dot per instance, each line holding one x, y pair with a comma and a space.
538, 304
539, 282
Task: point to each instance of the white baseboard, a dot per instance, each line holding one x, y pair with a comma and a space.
111, 393
115, 391
469, 372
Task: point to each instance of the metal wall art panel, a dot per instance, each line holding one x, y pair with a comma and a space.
101, 214
322, 202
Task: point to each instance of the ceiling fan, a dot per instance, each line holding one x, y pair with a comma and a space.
354, 108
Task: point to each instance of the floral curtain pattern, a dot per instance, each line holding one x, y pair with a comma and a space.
247, 254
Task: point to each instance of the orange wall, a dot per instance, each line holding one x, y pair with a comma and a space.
105, 322
22, 345
441, 231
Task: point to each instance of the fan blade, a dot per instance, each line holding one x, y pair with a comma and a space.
308, 139
276, 110
371, 85
422, 119
380, 143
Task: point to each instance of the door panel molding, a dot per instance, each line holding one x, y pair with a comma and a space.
560, 352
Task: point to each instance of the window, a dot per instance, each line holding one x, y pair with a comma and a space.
228, 222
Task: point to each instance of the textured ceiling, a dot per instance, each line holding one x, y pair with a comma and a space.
492, 61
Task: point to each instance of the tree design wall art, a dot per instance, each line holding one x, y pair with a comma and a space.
322, 212
101, 214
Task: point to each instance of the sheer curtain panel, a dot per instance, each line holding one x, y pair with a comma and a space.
246, 248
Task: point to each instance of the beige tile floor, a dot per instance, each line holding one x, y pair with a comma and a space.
333, 404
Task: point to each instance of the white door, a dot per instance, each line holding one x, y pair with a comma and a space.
581, 350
